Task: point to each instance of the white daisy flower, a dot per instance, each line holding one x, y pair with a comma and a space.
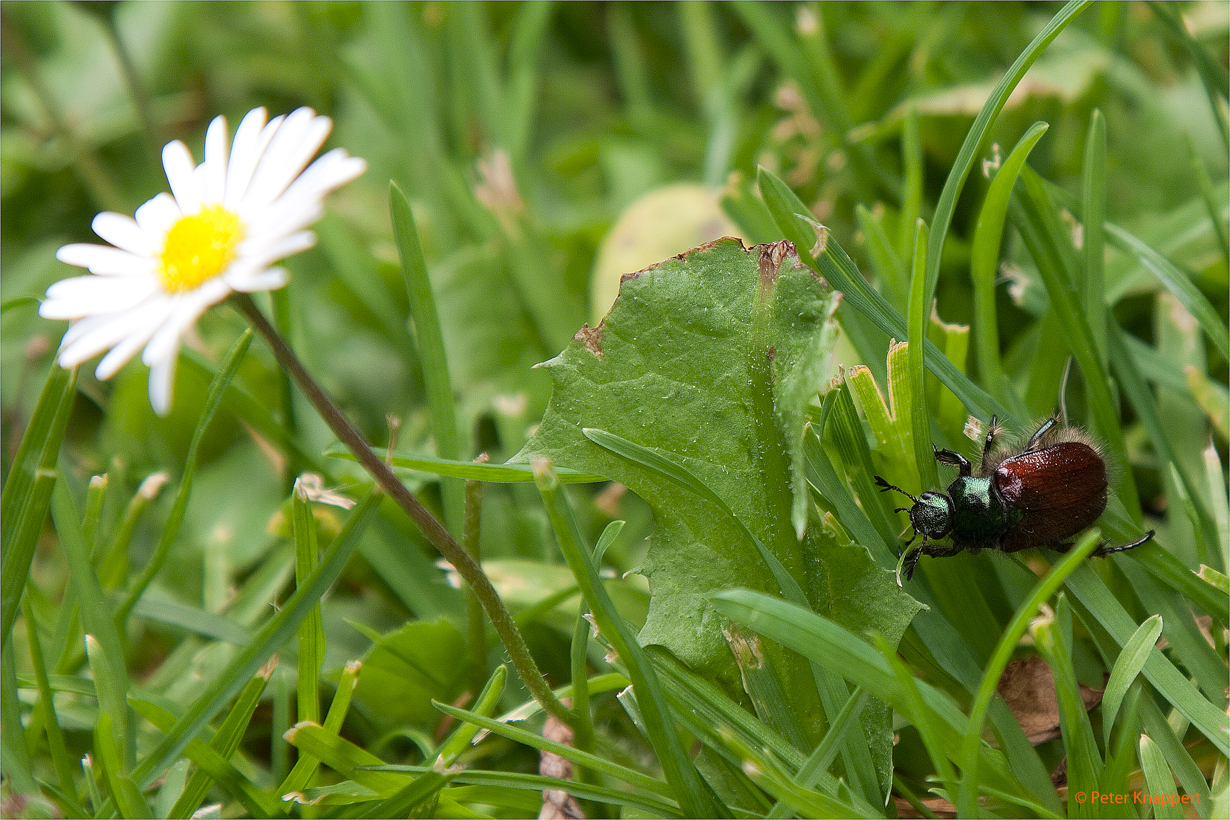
224, 224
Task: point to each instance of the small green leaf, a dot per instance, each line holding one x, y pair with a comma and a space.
1131, 660
1158, 780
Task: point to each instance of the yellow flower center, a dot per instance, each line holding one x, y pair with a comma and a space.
199, 247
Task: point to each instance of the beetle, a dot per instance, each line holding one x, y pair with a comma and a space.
1035, 495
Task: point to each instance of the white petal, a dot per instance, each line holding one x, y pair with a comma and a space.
215, 160
94, 334
83, 296
272, 248
286, 217
301, 204
187, 309
251, 137
158, 216
123, 232
177, 161
125, 349
334, 169
287, 155
104, 260
268, 279
161, 381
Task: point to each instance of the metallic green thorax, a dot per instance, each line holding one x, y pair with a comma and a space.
979, 514
971, 510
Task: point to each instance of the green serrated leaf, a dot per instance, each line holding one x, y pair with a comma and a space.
669, 368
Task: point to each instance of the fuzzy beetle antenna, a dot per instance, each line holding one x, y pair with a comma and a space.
885, 487
1063, 391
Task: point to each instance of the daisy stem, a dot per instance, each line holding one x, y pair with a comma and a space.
428, 524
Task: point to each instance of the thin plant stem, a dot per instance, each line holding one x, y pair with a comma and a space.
477, 630
136, 88
428, 524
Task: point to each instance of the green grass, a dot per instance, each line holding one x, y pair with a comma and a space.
1033, 197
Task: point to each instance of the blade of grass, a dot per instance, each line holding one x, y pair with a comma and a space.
1121, 754
311, 654
922, 719
1176, 754
1205, 183
225, 742
1036, 218
108, 741
1215, 79
633, 778
96, 801
854, 659
885, 262
1176, 281
46, 702
1054, 641
15, 752
1152, 720
267, 640
432, 354
170, 530
801, 802
695, 796
532, 782
763, 686
254, 800
912, 183
485, 704
716, 714
1045, 588
1093, 200
27, 492
107, 663
470, 470
918, 316
1099, 602
413, 798
306, 765
1158, 779
791, 216
1142, 400
1131, 660
344, 757
984, 267
978, 134
94, 496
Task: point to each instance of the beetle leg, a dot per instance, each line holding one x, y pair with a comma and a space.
1041, 431
955, 459
911, 558
907, 565
1107, 549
